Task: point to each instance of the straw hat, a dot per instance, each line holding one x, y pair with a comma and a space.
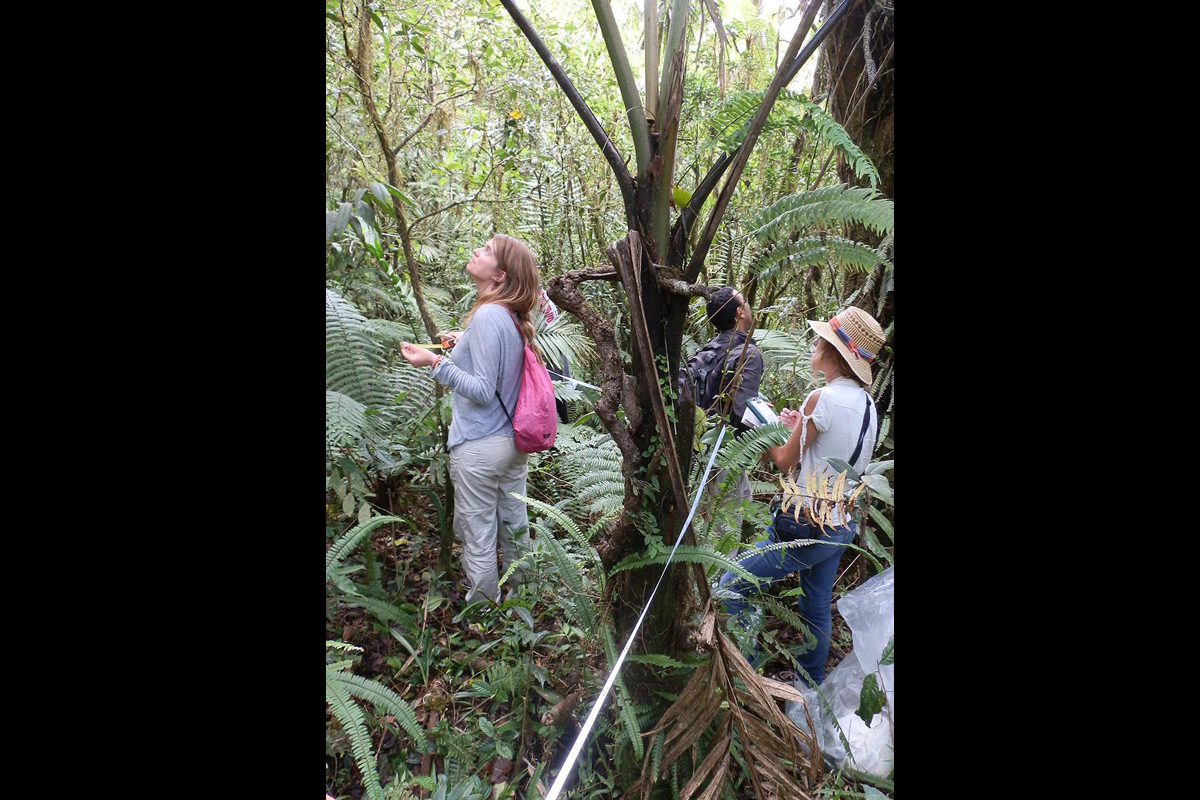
856, 335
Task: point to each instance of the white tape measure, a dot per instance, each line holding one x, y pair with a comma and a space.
612, 675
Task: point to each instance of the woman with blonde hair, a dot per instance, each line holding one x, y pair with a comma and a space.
838, 420
485, 375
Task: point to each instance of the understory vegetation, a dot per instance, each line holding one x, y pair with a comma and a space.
444, 126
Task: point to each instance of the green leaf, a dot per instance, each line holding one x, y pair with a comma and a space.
889, 652
333, 16
680, 197
486, 726
841, 466
348, 505
364, 514
870, 699
883, 522
408, 201
879, 487
872, 793
380, 193
880, 467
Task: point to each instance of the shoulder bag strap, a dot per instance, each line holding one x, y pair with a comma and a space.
863, 432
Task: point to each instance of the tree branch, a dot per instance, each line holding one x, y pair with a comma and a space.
400, 146
634, 111
585, 113
482, 186
685, 289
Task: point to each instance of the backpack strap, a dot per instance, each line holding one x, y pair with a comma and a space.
520, 336
863, 432
510, 419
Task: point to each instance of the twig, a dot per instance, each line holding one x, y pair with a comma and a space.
400, 146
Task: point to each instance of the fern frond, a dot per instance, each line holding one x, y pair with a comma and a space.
732, 120
809, 250
566, 522
385, 698
624, 703
569, 572
746, 449
563, 338
829, 129
660, 660
350, 718
790, 215
343, 646
390, 333
343, 546
810, 542
345, 420
353, 359
696, 554
383, 610
417, 393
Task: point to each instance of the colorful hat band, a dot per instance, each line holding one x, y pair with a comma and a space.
845, 337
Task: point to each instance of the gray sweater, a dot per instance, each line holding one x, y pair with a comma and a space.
490, 354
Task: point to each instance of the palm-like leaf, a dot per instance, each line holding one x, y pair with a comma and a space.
809, 250
793, 214
353, 359
836, 135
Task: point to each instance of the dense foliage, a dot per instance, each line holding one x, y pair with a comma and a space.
427, 695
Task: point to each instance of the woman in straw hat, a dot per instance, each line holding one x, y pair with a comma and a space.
838, 421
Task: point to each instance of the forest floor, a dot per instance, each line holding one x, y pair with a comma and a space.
434, 677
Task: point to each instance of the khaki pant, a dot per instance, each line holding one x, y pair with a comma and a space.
484, 471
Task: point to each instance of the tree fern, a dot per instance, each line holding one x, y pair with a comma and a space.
351, 539
353, 359
385, 698
350, 717
792, 214
829, 129
696, 554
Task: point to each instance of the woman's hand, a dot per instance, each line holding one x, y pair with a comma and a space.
789, 418
417, 356
449, 338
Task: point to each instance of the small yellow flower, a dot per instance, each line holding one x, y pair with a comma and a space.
515, 113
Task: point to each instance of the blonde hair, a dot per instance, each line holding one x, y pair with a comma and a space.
521, 289
843, 368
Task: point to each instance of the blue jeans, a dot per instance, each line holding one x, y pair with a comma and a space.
817, 564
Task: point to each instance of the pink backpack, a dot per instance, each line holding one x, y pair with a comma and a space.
534, 419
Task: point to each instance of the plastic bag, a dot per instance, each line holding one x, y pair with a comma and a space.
870, 613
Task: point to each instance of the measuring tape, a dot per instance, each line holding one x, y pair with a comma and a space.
574, 380
563, 773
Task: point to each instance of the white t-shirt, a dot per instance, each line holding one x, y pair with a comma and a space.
838, 418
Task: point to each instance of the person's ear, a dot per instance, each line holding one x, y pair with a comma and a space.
499, 276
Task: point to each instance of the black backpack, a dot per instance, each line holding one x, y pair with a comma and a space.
701, 377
